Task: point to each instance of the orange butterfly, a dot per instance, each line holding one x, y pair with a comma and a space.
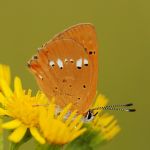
67, 67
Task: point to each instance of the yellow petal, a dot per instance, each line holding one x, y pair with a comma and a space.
100, 101
11, 124
3, 112
18, 87
2, 99
35, 133
70, 118
75, 122
17, 134
51, 110
110, 134
111, 125
78, 133
5, 73
106, 119
63, 112
79, 126
5, 88
29, 92
43, 115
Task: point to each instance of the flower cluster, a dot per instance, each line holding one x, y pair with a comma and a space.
36, 116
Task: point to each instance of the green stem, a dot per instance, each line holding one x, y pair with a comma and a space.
1, 142
14, 146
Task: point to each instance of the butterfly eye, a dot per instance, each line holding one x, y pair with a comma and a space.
89, 116
79, 63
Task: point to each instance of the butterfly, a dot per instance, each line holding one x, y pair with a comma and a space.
66, 67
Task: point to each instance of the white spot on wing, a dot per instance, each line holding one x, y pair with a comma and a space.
51, 63
85, 62
60, 63
79, 63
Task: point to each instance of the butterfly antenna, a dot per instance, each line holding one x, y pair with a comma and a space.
116, 107
120, 105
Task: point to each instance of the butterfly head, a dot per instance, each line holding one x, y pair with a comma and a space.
89, 116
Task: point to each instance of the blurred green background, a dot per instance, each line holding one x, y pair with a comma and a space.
123, 29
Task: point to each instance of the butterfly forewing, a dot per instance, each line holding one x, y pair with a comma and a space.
66, 67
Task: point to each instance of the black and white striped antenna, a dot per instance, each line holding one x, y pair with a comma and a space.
117, 107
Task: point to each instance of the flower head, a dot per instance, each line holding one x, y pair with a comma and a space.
57, 129
19, 106
99, 130
104, 123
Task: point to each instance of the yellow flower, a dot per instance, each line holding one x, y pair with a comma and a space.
5, 74
19, 106
59, 129
104, 123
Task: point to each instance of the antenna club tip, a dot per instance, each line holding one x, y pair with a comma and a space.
129, 104
131, 110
